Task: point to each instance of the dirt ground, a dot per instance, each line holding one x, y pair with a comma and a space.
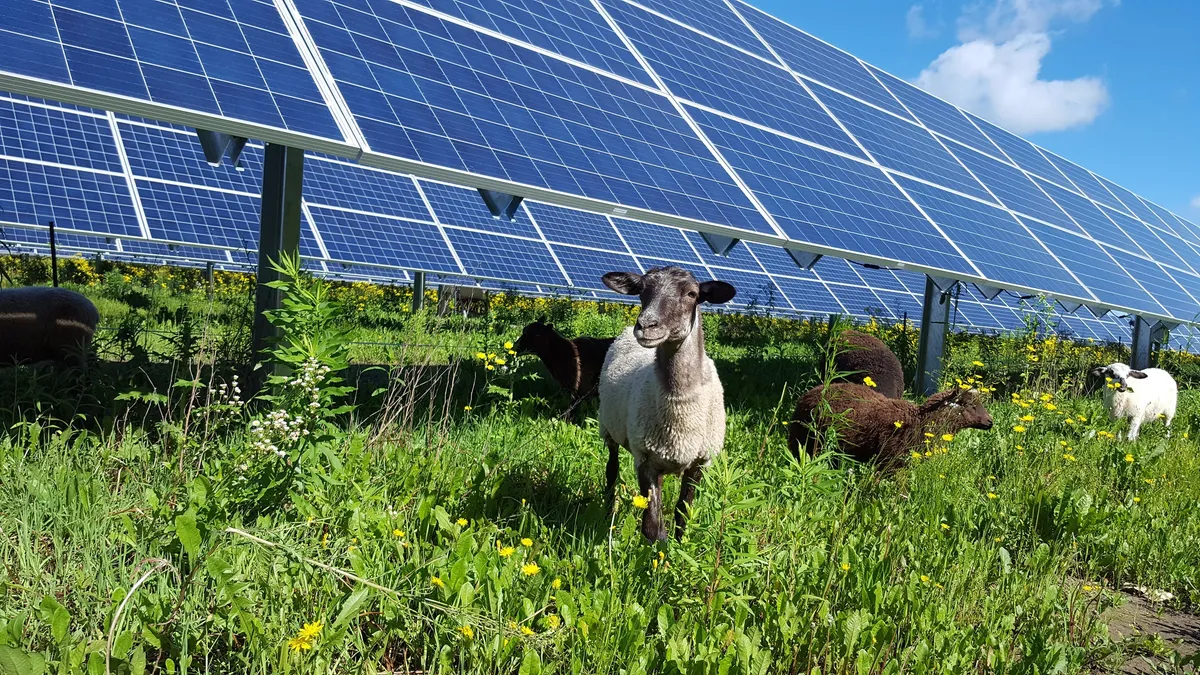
1137, 618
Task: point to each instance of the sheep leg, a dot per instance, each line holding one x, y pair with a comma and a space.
687, 492
1134, 424
612, 471
650, 484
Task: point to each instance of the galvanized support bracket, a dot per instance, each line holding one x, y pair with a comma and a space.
803, 259
989, 292
1070, 307
719, 243
1097, 311
1139, 348
502, 205
935, 315
279, 232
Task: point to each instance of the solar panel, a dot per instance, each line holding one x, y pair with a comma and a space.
580, 228
1089, 216
937, 115
1020, 151
231, 62
713, 17
380, 240
1013, 188
1169, 294
585, 266
1084, 181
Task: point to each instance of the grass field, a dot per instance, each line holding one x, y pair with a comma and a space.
451, 522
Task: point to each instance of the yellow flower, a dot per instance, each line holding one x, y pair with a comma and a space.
992, 495
530, 569
480, 355
1019, 429
298, 643
845, 567
1137, 500
1088, 588
640, 502
398, 533
1051, 406
437, 581
491, 367
1081, 418
977, 364
556, 584
1047, 397
898, 424
508, 345
947, 437
526, 630
311, 630
467, 631
869, 382
945, 526
467, 408
1069, 457
928, 435
1020, 447
924, 579
527, 542
916, 455
553, 621
1129, 457
500, 362
507, 551
462, 522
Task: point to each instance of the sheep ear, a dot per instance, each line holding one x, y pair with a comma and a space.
716, 292
1137, 375
1098, 371
623, 282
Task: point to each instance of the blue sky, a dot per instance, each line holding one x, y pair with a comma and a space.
1113, 86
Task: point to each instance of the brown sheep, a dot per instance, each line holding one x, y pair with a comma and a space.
574, 364
865, 421
860, 355
40, 323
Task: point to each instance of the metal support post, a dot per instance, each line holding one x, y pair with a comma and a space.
935, 314
418, 300
1139, 357
279, 232
53, 256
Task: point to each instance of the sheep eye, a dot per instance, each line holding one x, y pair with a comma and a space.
691, 294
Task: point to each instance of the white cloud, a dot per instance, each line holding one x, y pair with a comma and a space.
1196, 202
995, 70
919, 27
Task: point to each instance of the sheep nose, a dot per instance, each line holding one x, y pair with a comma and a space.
645, 323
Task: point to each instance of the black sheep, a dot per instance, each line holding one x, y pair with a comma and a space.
574, 364
860, 356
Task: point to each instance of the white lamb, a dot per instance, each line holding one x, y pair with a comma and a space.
660, 396
1138, 395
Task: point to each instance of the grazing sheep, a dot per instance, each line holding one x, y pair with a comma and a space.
1138, 395
866, 421
40, 323
574, 364
660, 396
860, 356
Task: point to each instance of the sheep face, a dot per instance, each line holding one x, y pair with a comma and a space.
1119, 373
534, 338
670, 296
970, 411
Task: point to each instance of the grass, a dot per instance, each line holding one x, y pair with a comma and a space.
423, 536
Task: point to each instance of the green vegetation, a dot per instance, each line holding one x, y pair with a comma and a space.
434, 515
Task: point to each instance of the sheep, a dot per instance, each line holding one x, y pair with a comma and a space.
872, 427
1154, 393
660, 396
39, 323
574, 364
860, 356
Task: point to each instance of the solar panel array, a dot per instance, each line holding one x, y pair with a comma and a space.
708, 114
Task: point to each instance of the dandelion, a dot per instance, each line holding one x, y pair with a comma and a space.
508, 345
491, 367
480, 355
1027, 418
1069, 457
640, 502
898, 424
845, 567
526, 630
556, 584
869, 382
1046, 397
467, 632
928, 435
992, 495
462, 522
1129, 457
530, 569
1019, 429
553, 621
398, 533
924, 578
507, 551
916, 455
1088, 588
1081, 418
297, 644
1050, 406
312, 630
947, 437
437, 581
527, 542
945, 526
977, 364
1020, 447
467, 408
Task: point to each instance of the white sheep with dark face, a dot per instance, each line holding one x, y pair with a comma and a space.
1138, 395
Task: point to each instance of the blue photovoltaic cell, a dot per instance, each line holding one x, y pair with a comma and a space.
937, 115
1013, 188
655, 241
464, 207
880, 279
810, 297
1020, 151
1187, 230
753, 290
1149, 242
198, 216
1089, 216
520, 260
190, 253
903, 306
335, 183
859, 300
1133, 204
1008, 318
572, 28
234, 59
1084, 181
383, 241
1110, 282
901, 145
369, 272
699, 271
837, 270
169, 155
569, 226
66, 240
973, 315
997, 244
829, 200
737, 258
710, 16
1174, 223
776, 261
711, 74
815, 59
51, 135
34, 194
914, 282
429, 90
585, 266
1159, 284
